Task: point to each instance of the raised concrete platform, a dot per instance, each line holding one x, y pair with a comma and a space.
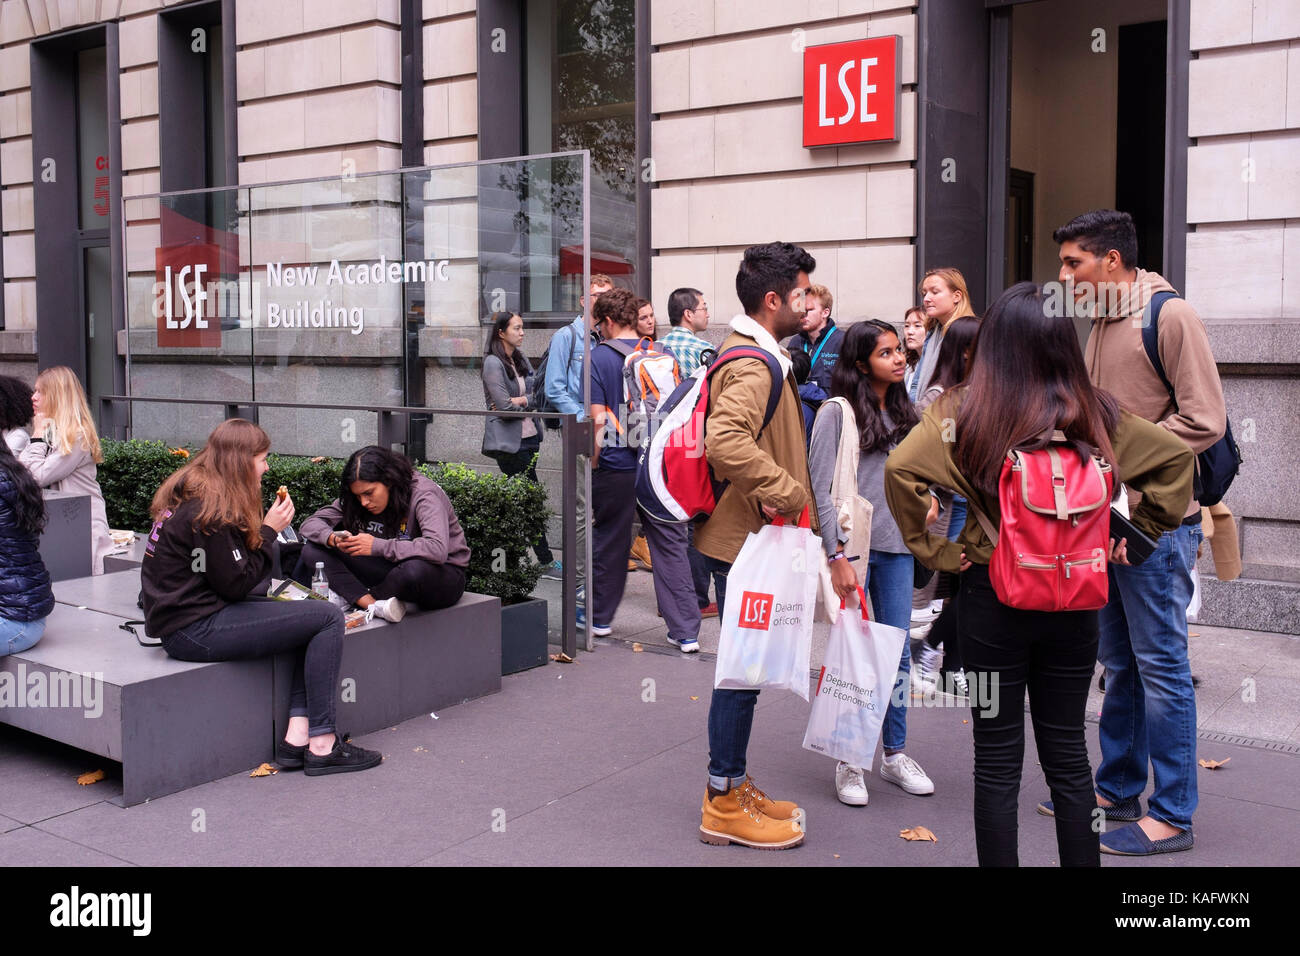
174, 724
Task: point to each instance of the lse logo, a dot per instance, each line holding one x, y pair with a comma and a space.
183, 301
755, 610
850, 92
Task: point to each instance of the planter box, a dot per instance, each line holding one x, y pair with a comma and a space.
523, 636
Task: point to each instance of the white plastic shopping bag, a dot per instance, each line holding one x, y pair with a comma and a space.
857, 677
767, 622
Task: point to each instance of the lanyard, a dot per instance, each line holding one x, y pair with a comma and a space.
826, 337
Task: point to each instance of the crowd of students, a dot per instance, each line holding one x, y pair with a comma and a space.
938, 403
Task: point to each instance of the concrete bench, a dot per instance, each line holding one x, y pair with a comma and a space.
170, 724
157, 708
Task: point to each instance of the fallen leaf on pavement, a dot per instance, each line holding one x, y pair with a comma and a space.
86, 779
836, 855
264, 771
637, 648
965, 721
1193, 633
562, 658
1213, 764
420, 750
918, 833
694, 698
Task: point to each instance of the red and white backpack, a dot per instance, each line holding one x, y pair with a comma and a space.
1050, 550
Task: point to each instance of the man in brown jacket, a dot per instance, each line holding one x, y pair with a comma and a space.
767, 468
1149, 712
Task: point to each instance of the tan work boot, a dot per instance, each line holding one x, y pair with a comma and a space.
640, 551
776, 809
734, 817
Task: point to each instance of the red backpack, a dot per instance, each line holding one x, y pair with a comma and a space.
1050, 551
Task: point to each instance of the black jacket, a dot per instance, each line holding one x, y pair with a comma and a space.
25, 593
188, 575
825, 352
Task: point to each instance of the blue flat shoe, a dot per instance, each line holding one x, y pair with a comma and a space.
1126, 811
1132, 841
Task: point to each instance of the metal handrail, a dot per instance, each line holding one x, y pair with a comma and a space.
575, 439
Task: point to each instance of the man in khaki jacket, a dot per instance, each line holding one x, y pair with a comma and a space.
767, 468
1149, 713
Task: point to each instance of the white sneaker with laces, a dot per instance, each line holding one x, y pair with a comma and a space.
390, 609
926, 667
901, 770
850, 785
924, 615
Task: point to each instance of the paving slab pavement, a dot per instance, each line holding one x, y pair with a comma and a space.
602, 762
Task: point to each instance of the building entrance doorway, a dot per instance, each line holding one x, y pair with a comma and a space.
1087, 125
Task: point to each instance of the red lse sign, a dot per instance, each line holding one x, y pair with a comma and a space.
851, 92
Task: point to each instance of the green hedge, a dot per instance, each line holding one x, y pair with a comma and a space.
502, 517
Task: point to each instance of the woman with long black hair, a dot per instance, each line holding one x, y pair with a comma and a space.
869, 376
391, 536
1027, 378
25, 596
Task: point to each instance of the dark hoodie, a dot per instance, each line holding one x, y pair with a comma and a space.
824, 353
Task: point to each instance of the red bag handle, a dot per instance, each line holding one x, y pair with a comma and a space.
804, 520
862, 601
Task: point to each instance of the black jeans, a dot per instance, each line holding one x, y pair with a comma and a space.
944, 631
613, 504
415, 580
1052, 655
259, 627
521, 463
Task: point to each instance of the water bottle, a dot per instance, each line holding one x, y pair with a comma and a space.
319, 585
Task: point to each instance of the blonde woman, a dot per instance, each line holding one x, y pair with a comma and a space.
945, 299
64, 450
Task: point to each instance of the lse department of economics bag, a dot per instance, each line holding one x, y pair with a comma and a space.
853, 689
766, 641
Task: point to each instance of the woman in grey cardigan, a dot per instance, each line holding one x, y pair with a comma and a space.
507, 375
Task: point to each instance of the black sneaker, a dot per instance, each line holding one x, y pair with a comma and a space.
289, 757
346, 757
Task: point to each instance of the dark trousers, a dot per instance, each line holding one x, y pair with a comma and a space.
613, 503
259, 627
1052, 656
944, 631
700, 574
414, 580
521, 463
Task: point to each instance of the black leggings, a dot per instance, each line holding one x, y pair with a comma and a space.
1052, 655
415, 580
521, 463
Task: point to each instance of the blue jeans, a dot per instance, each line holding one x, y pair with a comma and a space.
731, 712
18, 636
1149, 711
956, 517
889, 583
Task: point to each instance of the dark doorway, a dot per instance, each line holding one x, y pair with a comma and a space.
1020, 227
1140, 136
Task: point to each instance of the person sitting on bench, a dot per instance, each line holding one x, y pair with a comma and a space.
209, 548
390, 537
25, 596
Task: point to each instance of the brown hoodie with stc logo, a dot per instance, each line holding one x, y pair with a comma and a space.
1118, 363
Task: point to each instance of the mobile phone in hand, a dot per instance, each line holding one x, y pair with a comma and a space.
1140, 546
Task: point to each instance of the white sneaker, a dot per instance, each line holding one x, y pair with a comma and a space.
391, 610
936, 608
960, 684
925, 615
926, 668
850, 785
903, 771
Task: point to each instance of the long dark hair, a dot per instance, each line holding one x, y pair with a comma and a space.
388, 468
15, 403
1027, 377
848, 382
28, 505
222, 477
951, 366
517, 362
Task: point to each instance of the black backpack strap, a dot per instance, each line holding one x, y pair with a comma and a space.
773, 366
1151, 340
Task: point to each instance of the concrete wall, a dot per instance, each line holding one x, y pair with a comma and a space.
1243, 259
730, 168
